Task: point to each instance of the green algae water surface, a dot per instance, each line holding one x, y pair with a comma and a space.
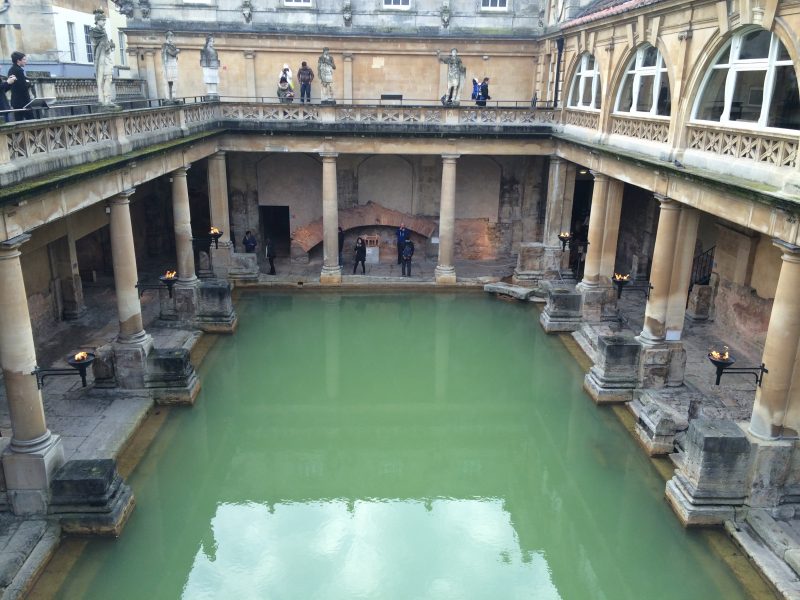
396, 447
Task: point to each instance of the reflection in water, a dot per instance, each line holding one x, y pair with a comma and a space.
390, 549
451, 454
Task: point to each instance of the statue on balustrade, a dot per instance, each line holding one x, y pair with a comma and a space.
103, 50
209, 60
456, 74
325, 68
169, 58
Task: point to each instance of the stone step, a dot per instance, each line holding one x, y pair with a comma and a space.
778, 539
508, 289
782, 578
34, 562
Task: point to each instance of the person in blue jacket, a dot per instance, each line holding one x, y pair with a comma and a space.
402, 236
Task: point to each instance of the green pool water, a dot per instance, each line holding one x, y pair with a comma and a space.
396, 447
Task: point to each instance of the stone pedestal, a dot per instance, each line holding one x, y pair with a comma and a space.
713, 477
562, 311
599, 301
537, 262
28, 476
171, 378
215, 312
614, 376
243, 267
701, 303
445, 275
89, 497
330, 275
130, 362
222, 259
662, 365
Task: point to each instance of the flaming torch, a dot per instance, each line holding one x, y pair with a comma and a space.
215, 235
81, 361
620, 281
565, 237
721, 359
169, 278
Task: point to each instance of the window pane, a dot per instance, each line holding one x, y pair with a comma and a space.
87, 36
783, 53
645, 100
755, 45
650, 56
725, 58
599, 94
747, 96
663, 104
587, 91
784, 111
573, 97
626, 94
713, 98
589, 63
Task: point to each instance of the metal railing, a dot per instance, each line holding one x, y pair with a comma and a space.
702, 266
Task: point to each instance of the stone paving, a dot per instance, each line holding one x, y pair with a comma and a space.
96, 423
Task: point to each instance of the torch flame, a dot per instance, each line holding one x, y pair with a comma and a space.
564, 234
214, 231
717, 355
81, 356
621, 277
170, 274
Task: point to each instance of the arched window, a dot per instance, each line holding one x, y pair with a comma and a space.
586, 89
645, 87
752, 81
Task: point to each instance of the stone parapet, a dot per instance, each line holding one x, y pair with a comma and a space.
537, 262
171, 378
215, 313
614, 374
563, 309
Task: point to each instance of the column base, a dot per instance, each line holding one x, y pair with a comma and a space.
662, 364
171, 378
28, 476
130, 362
221, 259
537, 262
330, 275
445, 275
613, 376
243, 267
215, 313
563, 309
599, 301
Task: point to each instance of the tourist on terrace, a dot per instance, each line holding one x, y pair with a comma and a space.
20, 87
4, 105
402, 236
408, 253
361, 256
305, 76
483, 96
249, 242
285, 91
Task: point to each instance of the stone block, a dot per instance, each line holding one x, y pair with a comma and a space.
28, 476
244, 267
89, 497
771, 471
103, 367
215, 313
701, 301
657, 423
506, 289
184, 296
130, 363
614, 374
563, 309
662, 365
171, 377
537, 262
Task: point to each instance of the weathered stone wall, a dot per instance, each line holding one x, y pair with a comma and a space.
36, 273
637, 231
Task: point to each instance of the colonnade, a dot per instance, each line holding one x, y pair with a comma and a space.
776, 412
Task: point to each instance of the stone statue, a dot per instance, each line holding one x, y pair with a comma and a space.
347, 12
103, 50
144, 6
325, 68
456, 74
209, 60
445, 14
169, 58
247, 10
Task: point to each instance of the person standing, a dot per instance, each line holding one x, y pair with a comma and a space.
402, 236
5, 107
20, 87
408, 253
483, 96
249, 242
305, 75
270, 255
361, 256
287, 72
341, 246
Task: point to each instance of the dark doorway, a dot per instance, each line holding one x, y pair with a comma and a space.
275, 225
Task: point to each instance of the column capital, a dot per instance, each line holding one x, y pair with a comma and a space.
598, 176
450, 158
791, 252
218, 155
249, 53
347, 56
123, 197
180, 171
556, 160
149, 52
665, 201
329, 156
12, 244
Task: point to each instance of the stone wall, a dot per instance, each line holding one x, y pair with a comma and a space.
637, 231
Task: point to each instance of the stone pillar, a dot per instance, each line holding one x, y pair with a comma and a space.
183, 225
445, 272
220, 214
655, 315
608, 257
66, 280
123, 257
775, 412
250, 74
150, 74
557, 217
597, 217
681, 272
348, 78
331, 269
34, 453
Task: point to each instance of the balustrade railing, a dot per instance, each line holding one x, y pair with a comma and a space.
582, 118
770, 148
643, 128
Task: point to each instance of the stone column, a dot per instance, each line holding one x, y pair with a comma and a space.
348, 78
597, 217
555, 221
123, 257
681, 272
655, 315
183, 225
34, 453
220, 213
331, 269
445, 272
250, 74
775, 412
608, 256
150, 74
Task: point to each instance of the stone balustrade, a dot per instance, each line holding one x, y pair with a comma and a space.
67, 89
773, 149
649, 129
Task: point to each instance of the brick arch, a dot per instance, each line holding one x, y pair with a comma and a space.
371, 213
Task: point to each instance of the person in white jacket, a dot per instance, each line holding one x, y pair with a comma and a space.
286, 72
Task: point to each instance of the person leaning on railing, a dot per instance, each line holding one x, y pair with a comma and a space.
20, 87
5, 107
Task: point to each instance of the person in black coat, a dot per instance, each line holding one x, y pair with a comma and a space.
4, 105
483, 96
361, 255
20, 88
408, 253
270, 255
